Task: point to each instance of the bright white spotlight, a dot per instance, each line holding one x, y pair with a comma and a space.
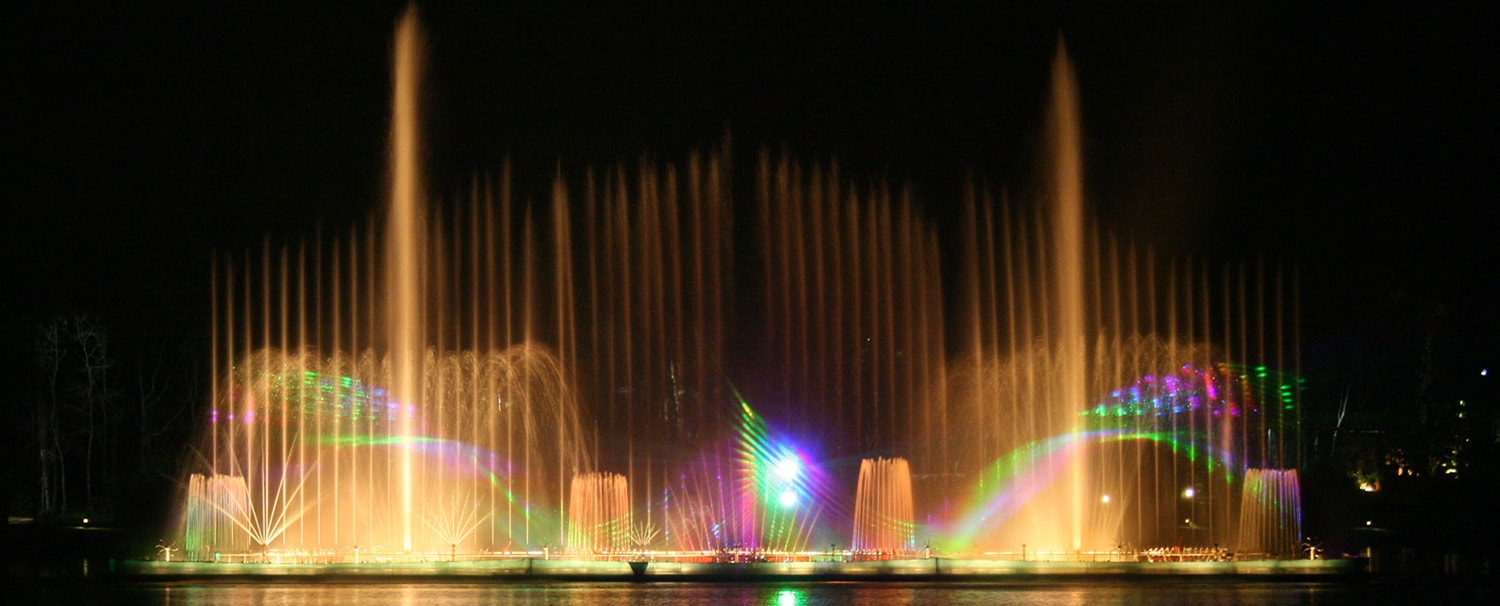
788, 498
788, 468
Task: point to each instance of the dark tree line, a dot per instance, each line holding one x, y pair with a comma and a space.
106, 422
1403, 430
1408, 400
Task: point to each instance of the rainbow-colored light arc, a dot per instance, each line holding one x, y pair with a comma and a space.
1014, 480
308, 411
465, 460
1005, 487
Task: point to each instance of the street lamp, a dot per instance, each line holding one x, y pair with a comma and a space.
1188, 495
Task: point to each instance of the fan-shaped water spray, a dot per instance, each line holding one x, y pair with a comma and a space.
883, 515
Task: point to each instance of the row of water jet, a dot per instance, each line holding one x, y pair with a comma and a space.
647, 299
843, 353
849, 356
852, 345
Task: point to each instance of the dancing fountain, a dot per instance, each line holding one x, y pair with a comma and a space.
489, 378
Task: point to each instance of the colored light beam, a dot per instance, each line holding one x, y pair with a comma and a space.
1017, 478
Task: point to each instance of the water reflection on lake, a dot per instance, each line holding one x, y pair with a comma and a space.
1165, 593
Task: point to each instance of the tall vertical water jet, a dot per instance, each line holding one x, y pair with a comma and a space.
405, 247
1097, 384
1067, 189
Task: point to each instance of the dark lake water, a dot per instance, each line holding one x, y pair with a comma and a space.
1091, 593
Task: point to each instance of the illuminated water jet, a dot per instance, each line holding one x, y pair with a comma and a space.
883, 514
215, 517
599, 513
406, 263
1271, 513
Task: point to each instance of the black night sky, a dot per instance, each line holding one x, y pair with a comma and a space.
1352, 139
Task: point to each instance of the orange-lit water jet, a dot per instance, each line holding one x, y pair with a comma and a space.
599, 518
405, 247
1067, 189
884, 519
